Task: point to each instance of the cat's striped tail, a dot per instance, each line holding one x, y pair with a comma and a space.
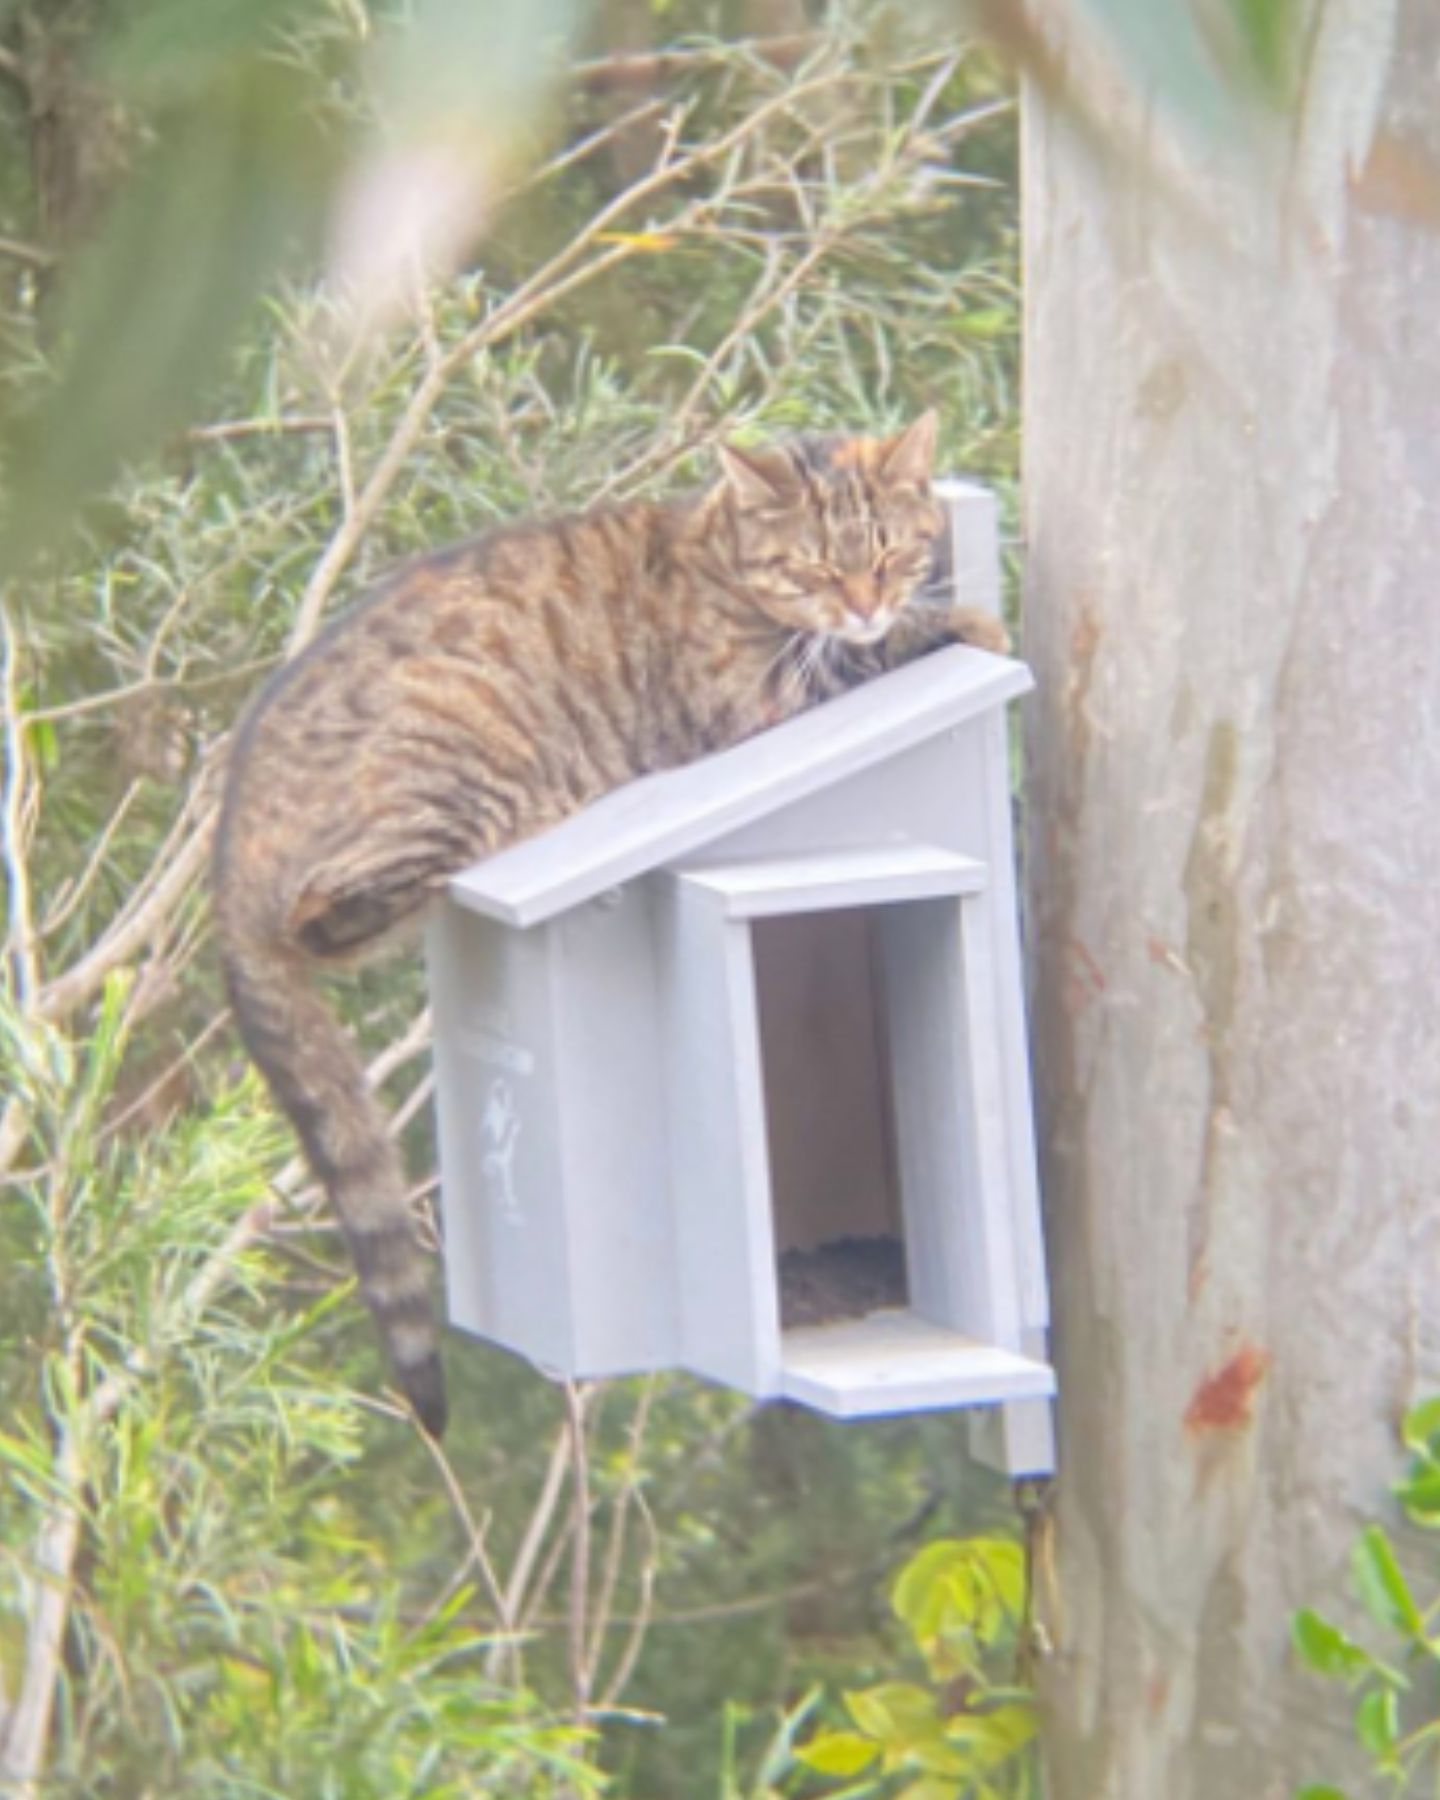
316, 1076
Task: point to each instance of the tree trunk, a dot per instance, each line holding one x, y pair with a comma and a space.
1233, 507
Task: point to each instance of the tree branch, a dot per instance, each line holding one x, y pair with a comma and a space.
20, 939
30, 254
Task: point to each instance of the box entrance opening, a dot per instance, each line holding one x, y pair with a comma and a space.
830, 1127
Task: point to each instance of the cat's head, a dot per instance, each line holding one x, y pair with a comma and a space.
833, 536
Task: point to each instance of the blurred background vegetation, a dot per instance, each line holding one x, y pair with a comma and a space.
588, 244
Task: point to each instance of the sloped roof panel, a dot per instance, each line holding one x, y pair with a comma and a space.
660, 818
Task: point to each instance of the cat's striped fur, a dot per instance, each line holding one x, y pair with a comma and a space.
488, 690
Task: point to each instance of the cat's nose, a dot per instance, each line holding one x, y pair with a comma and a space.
863, 597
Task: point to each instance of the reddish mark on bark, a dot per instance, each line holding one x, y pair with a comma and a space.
1224, 1401
1166, 955
1156, 1695
1085, 637
1084, 978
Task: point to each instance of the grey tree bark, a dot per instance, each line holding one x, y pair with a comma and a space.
1233, 515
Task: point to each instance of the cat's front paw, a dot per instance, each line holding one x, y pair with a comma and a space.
985, 630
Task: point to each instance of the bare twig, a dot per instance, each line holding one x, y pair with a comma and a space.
72, 895
575, 1396
588, 145
478, 1555
639, 1624
22, 1754
32, 255
536, 1531
184, 1060
20, 938
619, 1518
226, 431
655, 66
344, 458
167, 884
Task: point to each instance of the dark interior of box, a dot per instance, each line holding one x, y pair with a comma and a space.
830, 1131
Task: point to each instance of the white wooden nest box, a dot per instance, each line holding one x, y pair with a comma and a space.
732, 1070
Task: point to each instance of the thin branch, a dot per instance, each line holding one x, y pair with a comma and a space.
165, 887
72, 894
148, 684
30, 254
619, 1518
644, 1612
184, 1060
479, 1554
21, 938
588, 145
22, 1755
575, 1397
226, 431
655, 66
536, 1531
344, 458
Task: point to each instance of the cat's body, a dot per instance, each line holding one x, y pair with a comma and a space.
492, 689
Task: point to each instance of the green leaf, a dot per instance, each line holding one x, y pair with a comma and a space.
995, 1735
928, 1787
960, 1585
896, 1713
1382, 1587
987, 322
1377, 1723
1322, 1792
1326, 1648
1421, 1425
1419, 1494
837, 1753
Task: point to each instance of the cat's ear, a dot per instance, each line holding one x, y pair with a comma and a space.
760, 478
908, 458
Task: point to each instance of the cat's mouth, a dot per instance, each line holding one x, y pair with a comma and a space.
864, 631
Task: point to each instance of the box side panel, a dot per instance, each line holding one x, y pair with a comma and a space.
724, 1237
506, 1260
615, 1145
1004, 923
1018, 1439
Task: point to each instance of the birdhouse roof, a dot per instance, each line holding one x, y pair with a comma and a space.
660, 818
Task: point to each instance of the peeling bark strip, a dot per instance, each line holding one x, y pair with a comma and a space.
1232, 383
1225, 1400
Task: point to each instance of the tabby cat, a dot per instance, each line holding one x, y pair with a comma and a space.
491, 689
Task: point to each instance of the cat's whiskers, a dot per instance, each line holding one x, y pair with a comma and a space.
813, 658
776, 663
